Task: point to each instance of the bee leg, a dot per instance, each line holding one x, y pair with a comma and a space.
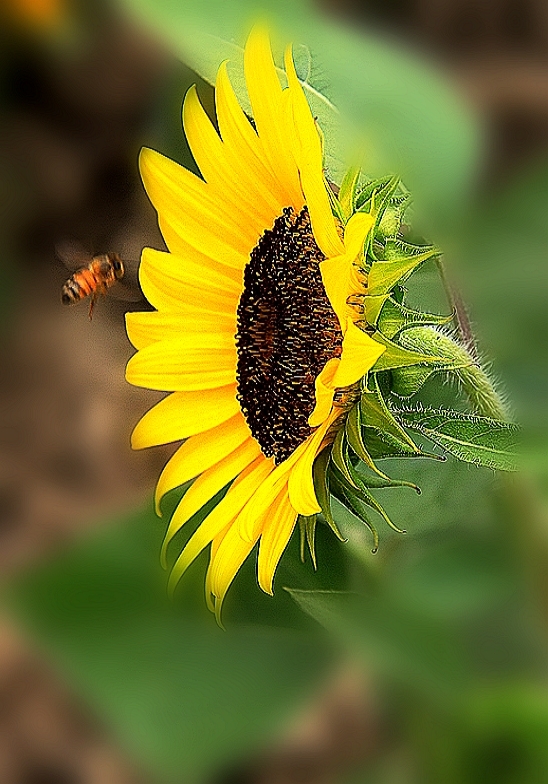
92, 305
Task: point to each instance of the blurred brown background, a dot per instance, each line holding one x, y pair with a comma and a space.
73, 121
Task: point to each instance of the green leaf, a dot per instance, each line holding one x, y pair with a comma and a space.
471, 438
303, 62
148, 670
393, 639
204, 51
413, 122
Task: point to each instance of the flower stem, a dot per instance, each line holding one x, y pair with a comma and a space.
476, 383
461, 317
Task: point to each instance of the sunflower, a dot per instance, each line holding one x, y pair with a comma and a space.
255, 331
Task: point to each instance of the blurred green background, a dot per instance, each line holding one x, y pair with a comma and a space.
426, 662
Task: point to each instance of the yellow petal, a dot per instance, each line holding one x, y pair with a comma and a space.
228, 173
335, 274
359, 354
250, 518
186, 203
265, 94
215, 544
308, 151
201, 452
249, 522
338, 273
274, 539
185, 364
183, 414
243, 142
325, 390
225, 566
355, 232
143, 329
208, 485
170, 282
179, 247
301, 482
231, 554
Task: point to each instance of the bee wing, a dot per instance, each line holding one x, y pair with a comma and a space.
128, 288
131, 274
72, 254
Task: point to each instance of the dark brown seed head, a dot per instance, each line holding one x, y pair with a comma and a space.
287, 331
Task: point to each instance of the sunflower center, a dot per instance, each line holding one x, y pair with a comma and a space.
287, 331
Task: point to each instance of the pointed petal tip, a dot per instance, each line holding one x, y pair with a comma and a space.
266, 584
163, 557
190, 100
146, 158
135, 440
217, 609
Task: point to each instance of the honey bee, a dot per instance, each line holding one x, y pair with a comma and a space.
94, 278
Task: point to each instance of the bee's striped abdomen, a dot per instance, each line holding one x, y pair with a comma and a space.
78, 286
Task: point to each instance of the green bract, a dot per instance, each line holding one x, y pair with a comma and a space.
418, 345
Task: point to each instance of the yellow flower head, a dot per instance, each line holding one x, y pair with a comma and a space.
252, 334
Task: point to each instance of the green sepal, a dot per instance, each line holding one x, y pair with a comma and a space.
396, 248
366, 193
393, 318
343, 493
384, 275
378, 483
347, 193
373, 306
468, 437
336, 208
381, 445
372, 502
321, 489
408, 381
397, 356
390, 223
339, 456
376, 414
380, 201
307, 530
353, 432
